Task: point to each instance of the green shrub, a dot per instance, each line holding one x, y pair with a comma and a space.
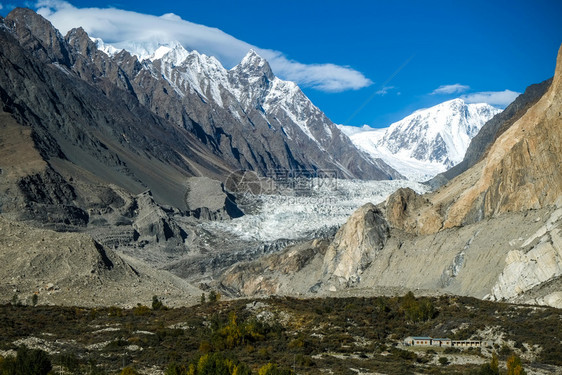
157, 304
129, 371
27, 362
443, 361
141, 310
214, 296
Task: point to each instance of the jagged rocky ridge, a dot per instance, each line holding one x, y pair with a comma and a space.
493, 232
247, 115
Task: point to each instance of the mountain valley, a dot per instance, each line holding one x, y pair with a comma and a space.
173, 211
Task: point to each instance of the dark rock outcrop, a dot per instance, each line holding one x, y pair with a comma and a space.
153, 224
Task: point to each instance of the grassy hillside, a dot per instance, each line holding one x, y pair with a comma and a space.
281, 335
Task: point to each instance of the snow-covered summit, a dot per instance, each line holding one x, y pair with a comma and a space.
173, 52
429, 141
108, 49
252, 59
286, 127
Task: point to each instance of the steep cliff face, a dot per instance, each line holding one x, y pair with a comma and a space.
521, 170
481, 143
536, 261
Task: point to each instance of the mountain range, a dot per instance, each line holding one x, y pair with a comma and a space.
251, 117
493, 231
150, 124
427, 142
112, 171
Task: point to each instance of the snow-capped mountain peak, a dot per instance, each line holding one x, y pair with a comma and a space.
253, 68
427, 142
252, 58
438, 134
173, 52
287, 129
108, 49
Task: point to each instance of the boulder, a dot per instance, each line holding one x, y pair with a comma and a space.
207, 199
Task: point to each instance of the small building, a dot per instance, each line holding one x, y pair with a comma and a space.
417, 340
441, 342
467, 343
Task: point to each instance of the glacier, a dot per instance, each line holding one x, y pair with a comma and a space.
295, 217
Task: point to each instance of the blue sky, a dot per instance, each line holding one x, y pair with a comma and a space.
361, 62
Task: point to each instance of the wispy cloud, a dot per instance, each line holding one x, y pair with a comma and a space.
450, 89
497, 98
123, 28
385, 90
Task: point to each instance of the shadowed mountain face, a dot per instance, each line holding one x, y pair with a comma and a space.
104, 120
99, 133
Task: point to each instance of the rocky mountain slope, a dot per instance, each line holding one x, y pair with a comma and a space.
427, 142
72, 269
492, 232
150, 125
131, 154
247, 115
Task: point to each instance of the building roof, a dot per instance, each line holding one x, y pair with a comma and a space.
421, 338
441, 339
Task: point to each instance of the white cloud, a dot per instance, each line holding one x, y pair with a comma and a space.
385, 90
450, 89
498, 98
123, 28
